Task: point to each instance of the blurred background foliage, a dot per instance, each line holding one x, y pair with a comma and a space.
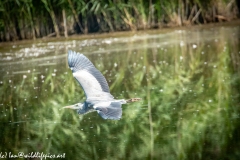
29, 19
189, 90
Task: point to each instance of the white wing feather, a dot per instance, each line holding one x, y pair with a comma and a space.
91, 80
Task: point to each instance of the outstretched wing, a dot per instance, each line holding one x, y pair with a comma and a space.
91, 80
109, 110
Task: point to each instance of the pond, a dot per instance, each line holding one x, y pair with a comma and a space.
188, 79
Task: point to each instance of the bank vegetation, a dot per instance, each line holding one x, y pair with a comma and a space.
31, 19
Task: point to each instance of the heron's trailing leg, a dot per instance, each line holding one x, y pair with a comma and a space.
95, 88
133, 100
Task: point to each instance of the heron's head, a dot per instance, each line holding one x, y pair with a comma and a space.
77, 106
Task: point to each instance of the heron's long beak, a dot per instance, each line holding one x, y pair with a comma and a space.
70, 107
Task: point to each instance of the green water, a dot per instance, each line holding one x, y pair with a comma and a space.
189, 82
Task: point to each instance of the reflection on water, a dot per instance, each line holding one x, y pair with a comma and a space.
188, 80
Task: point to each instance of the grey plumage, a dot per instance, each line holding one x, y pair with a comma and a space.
113, 111
79, 62
95, 87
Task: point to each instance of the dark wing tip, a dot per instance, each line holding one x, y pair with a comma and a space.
78, 61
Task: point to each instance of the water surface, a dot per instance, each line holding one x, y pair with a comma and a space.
188, 81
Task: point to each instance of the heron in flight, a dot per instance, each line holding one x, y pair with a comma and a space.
95, 87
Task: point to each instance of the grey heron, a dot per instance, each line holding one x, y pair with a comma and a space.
96, 89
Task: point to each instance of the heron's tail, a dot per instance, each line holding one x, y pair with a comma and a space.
133, 100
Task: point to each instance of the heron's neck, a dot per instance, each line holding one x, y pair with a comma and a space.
81, 108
